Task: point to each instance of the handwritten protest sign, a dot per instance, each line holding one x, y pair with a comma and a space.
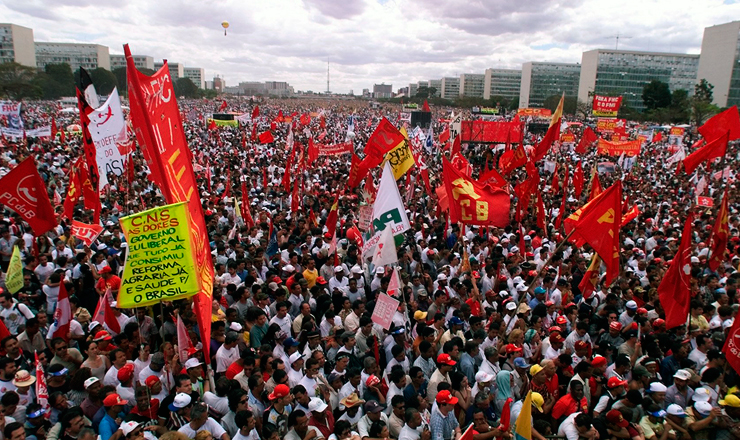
160, 264
384, 310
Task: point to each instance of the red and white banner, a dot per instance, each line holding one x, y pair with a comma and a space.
628, 148
606, 105
87, 233
490, 131
108, 129
42, 393
535, 112
384, 310
706, 202
732, 346
610, 125
336, 149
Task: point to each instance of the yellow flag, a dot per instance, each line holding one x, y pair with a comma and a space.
400, 157
14, 279
558, 112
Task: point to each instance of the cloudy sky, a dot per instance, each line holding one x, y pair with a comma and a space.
369, 41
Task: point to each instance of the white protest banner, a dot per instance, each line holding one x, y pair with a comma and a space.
388, 210
384, 309
12, 111
107, 130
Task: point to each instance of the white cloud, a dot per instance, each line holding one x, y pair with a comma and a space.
369, 41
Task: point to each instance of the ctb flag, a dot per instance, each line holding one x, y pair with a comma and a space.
473, 204
597, 223
24, 191
675, 288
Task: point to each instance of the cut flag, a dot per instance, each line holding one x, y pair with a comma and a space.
675, 288
394, 286
718, 124
523, 427
385, 250
597, 223
63, 314
578, 180
25, 193
591, 277
587, 139
266, 137
553, 133
720, 235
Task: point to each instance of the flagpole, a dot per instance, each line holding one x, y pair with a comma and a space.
547, 263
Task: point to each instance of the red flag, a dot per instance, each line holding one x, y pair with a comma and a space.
543, 147
597, 223
587, 139
384, 138
720, 235
331, 219
468, 434
256, 112
279, 118
555, 185
246, 214
629, 215
322, 122
675, 288
587, 285
578, 180
561, 214
512, 159
358, 170
541, 213
266, 137
62, 314
595, 189
473, 204
254, 132
61, 136
444, 136
493, 178
718, 124
184, 343
4, 332
312, 218
425, 107
85, 232
53, 129
24, 191
264, 179
223, 106
461, 164
42, 393
714, 149
732, 346
313, 151
171, 164
657, 137
370, 185
212, 125
305, 119
456, 147
90, 151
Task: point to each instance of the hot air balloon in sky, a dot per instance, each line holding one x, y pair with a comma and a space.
225, 25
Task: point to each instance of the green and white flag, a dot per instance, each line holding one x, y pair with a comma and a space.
388, 211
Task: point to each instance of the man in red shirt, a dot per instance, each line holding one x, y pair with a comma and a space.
573, 402
108, 281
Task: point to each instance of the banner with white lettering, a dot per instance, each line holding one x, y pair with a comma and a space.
11, 111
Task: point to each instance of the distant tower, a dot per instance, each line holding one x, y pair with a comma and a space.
328, 90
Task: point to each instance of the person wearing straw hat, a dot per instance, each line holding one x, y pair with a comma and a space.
23, 381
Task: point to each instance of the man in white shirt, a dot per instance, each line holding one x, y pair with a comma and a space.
228, 353
577, 426
339, 283
199, 421
282, 318
14, 314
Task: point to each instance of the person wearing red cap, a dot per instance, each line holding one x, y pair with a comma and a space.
113, 410
441, 374
443, 423
107, 280
614, 392
280, 408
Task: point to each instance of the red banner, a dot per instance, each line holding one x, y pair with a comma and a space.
610, 125
535, 112
629, 148
86, 233
606, 105
156, 121
732, 346
490, 131
706, 202
23, 191
567, 138
336, 149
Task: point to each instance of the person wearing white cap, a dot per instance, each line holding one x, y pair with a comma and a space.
700, 419
131, 430
339, 282
375, 283
295, 373
680, 393
628, 316
482, 383
676, 417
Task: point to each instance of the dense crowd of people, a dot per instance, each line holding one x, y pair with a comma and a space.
486, 314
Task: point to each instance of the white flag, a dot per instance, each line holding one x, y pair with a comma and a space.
385, 249
107, 130
388, 210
